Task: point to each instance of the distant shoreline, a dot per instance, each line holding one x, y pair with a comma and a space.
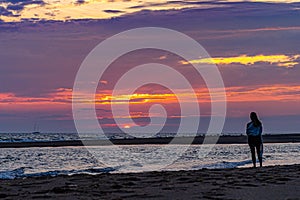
282, 138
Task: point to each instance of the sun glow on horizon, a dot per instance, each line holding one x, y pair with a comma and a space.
127, 126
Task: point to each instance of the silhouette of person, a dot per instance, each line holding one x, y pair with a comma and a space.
255, 141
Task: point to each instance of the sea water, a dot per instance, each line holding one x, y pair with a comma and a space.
53, 161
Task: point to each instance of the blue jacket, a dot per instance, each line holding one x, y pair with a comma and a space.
253, 130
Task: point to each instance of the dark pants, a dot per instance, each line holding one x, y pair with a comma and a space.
255, 142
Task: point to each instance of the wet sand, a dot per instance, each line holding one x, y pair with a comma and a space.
274, 182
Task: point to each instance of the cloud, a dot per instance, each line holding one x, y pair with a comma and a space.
179, 4
113, 11
78, 2
27, 2
11, 1
279, 60
60, 95
289, 28
14, 7
18, 6
38, 57
91, 9
264, 93
136, 98
5, 12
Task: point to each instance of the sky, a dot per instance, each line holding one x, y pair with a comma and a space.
254, 44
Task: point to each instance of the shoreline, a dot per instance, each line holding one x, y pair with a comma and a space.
292, 138
271, 182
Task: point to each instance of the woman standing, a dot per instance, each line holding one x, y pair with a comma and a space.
254, 132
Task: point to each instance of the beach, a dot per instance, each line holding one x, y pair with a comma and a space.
272, 182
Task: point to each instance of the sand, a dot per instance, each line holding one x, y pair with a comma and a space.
274, 182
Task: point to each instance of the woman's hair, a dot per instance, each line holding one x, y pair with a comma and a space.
254, 119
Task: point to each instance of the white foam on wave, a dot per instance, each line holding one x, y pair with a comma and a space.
223, 165
12, 174
20, 172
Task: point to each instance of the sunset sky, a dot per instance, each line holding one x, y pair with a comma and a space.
254, 43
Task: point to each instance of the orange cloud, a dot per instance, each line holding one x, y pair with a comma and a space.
279, 60
60, 99
59, 96
104, 82
135, 98
238, 94
283, 93
234, 94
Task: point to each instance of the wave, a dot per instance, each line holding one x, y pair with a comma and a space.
20, 172
223, 164
31, 137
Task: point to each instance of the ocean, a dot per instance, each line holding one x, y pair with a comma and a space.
53, 161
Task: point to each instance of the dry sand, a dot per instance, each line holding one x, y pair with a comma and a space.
278, 182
